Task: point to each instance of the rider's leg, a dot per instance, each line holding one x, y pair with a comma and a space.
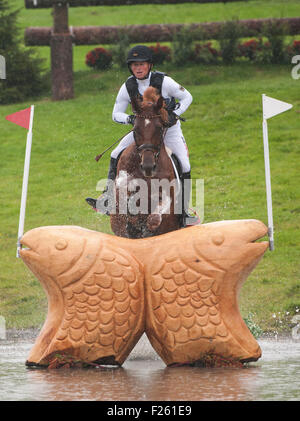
112, 171
174, 139
124, 143
115, 155
188, 219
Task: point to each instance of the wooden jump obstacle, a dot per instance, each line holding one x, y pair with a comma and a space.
61, 36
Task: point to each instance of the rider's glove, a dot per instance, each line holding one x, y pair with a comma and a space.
172, 119
130, 119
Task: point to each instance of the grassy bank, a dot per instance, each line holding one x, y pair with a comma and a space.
224, 135
225, 141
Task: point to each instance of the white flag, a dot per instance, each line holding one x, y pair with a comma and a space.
272, 106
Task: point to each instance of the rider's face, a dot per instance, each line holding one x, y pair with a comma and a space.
140, 69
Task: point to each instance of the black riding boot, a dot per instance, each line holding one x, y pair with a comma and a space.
112, 172
186, 183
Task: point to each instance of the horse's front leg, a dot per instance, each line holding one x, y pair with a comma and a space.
155, 218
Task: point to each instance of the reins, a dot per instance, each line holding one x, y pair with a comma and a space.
132, 130
150, 117
145, 146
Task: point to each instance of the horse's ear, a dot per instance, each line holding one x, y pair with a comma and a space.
136, 103
159, 103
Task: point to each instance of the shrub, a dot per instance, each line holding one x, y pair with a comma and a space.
228, 39
205, 53
160, 53
182, 47
264, 55
293, 50
263, 52
99, 58
256, 50
120, 50
24, 69
275, 35
250, 48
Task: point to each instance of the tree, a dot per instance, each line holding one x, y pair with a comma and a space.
24, 71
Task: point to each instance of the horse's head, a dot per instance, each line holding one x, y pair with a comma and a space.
149, 129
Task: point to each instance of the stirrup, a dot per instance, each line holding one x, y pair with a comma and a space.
93, 202
190, 219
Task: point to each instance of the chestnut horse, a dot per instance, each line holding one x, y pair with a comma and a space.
150, 209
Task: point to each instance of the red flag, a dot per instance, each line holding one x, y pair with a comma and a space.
21, 118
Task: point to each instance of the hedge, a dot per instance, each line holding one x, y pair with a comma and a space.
91, 35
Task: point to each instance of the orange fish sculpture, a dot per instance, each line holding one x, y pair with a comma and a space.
181, 288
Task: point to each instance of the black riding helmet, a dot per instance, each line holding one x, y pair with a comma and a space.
139, 53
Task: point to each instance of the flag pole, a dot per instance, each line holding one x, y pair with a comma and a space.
268, 182
25, 182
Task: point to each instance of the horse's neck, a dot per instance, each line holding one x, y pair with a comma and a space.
129, 160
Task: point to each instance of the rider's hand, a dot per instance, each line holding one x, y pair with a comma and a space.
172, 119
131, 119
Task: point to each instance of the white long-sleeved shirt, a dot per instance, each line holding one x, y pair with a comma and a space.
169, 89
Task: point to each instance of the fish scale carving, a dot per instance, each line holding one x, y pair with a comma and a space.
180, 288
185, 305
103, 311
106, 303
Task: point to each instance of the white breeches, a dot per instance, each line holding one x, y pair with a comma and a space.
174, 140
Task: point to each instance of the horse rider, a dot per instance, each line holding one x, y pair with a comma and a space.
140, 63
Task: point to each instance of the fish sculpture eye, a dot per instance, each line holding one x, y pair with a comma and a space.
61, 244
218, 239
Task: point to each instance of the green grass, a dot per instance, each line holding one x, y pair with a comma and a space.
224, 135
159, 13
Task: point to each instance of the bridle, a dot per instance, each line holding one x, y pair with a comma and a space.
155, 149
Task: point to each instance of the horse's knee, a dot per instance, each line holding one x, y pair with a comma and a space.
154, 221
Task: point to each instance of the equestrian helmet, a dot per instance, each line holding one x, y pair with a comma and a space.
139, 53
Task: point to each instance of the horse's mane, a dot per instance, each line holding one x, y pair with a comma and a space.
150, 95
150, 98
